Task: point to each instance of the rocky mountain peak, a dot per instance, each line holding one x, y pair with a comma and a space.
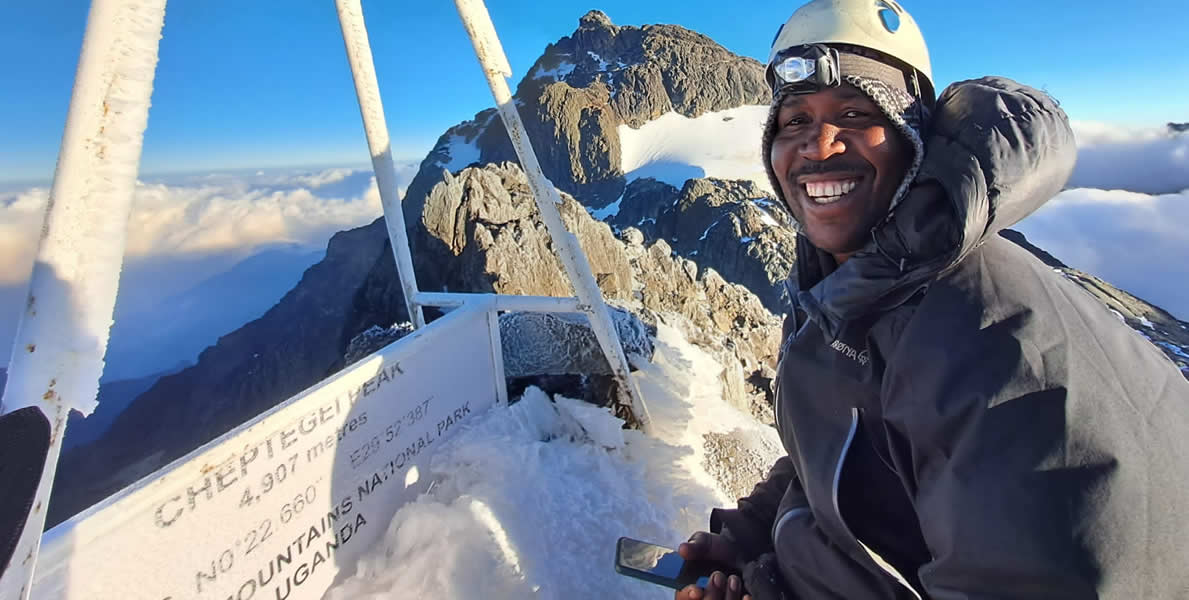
582, 89
596, 19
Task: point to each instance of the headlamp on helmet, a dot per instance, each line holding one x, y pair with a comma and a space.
805, 69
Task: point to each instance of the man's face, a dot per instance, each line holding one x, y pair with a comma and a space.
839, 160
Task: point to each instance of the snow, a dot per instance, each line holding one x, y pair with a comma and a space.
673, 148
530, 500
1174, 349
608, 211
707, 232
559, 73
762, 205
1117, 313
602, 63
1146, 323
744, 240
462, 152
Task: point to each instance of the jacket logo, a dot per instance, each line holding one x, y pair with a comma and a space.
844, 349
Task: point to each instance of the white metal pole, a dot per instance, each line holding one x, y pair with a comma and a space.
496, 68
367, 89
58, 353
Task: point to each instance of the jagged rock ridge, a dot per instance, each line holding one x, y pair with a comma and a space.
583, 87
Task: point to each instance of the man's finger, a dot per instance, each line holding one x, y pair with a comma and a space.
734, 587
716, 589
697, 548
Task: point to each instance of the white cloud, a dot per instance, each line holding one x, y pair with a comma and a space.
322, 178
210, 214
169, 220
21, 217
186, 229
1137, 242
1151, 161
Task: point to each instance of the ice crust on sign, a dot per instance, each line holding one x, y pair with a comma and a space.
529, 500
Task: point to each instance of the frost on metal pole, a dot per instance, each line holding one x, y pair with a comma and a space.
367, 89
496, 68
58, 353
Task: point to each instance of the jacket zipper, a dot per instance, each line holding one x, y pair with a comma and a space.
880, 562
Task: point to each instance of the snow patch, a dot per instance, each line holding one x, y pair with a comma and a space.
707, 232
559, 73
1174, 349
602, 63
673, 148
608, 211
529, 500
461, 152
1146, 323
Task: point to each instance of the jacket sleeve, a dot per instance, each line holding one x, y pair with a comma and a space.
750, 525
806, 564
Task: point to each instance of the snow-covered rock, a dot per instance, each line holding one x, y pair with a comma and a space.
530, 495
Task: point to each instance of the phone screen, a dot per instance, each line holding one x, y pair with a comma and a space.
658, 564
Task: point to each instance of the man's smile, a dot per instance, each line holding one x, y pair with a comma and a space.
828, 188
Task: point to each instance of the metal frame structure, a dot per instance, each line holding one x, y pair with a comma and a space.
63, 333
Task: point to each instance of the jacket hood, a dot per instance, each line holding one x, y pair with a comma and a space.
996, 152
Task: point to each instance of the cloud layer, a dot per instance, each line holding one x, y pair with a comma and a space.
186, 229
1150, 161
1137, 242
197, 216
1125, 217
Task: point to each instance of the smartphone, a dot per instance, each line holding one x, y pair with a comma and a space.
660, 565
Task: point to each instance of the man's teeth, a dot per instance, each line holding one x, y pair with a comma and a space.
825, 192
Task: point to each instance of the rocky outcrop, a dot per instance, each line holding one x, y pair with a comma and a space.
724, 318
733, 227
649, 70
481, 232
489, 238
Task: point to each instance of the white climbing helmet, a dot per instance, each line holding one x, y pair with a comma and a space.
880, 25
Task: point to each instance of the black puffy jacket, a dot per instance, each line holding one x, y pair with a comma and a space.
961, 421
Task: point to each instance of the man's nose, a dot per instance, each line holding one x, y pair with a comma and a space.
822, 143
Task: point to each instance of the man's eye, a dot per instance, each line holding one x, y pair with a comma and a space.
854, 114
795, 121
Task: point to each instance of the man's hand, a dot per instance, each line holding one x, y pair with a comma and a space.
712, 547
721, 587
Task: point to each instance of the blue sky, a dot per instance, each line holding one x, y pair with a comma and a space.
265, 83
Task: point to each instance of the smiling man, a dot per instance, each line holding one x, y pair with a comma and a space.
960, 421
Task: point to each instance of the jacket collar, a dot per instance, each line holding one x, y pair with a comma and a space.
905, 253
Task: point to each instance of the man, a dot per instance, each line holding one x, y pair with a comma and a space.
960, 421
